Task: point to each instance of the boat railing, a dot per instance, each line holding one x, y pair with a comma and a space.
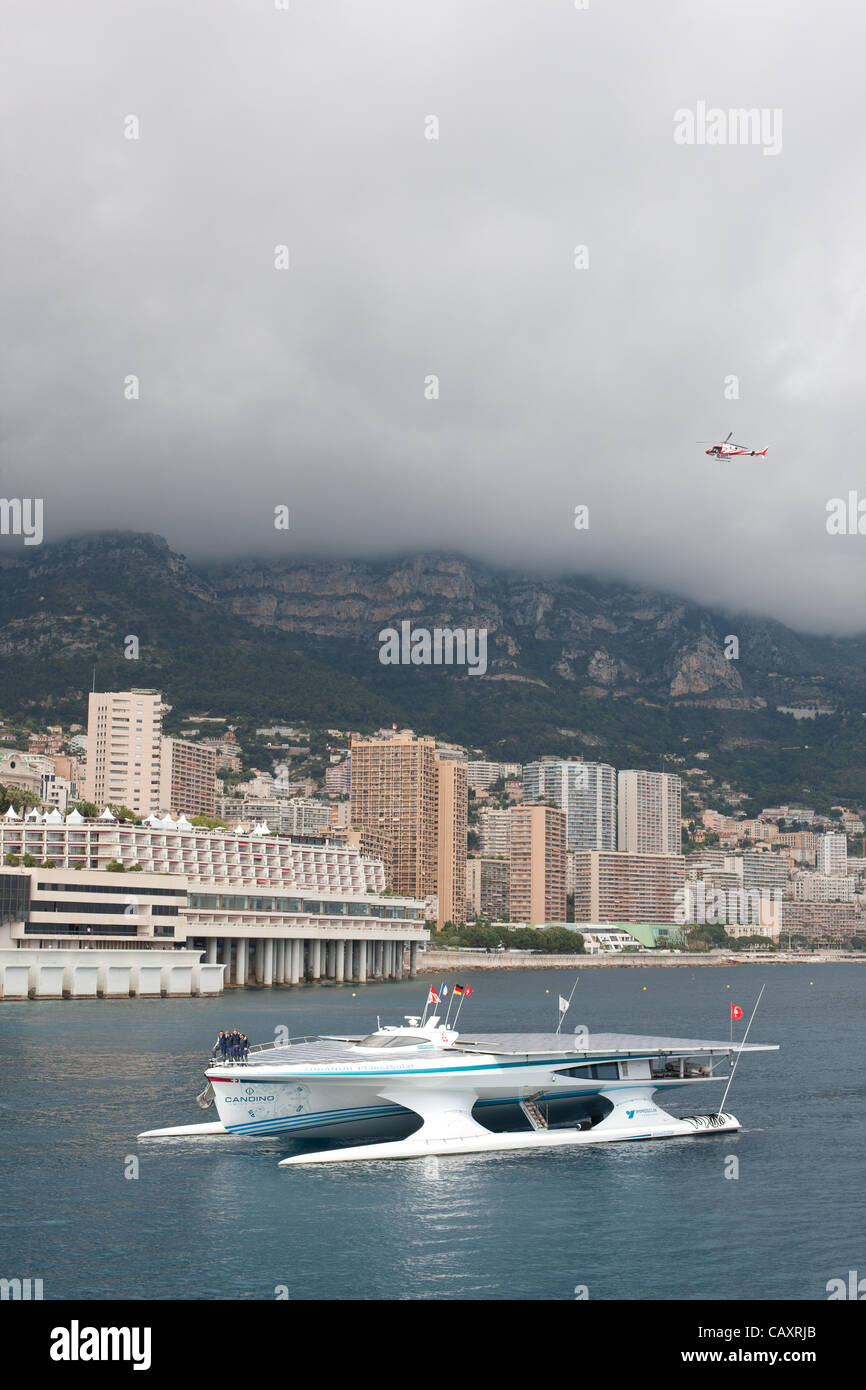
256, 1049
288, 1042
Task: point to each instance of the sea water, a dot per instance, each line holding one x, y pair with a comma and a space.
95, 1214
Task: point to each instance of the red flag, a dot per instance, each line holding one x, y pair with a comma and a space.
467, 992
432, 997
736, 1011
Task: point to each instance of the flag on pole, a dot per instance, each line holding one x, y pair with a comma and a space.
467, 992
563, 1005
443, 991
736, 1011
432, 997
456, 989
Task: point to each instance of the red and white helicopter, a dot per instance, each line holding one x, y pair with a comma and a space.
727, 450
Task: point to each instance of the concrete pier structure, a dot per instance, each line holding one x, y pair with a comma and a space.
107, 974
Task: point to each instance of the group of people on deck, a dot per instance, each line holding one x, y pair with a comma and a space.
231, 1046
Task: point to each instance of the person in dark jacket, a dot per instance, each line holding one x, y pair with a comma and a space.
219, 1047
235, 1044
245, 1046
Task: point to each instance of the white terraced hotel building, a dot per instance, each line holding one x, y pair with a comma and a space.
272, 910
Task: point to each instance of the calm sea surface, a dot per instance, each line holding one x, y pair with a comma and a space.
216, 1219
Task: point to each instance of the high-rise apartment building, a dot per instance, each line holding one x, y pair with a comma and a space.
620, 887
649, 812
487, 888
124, 746
187, 778
394, 795
537, 876
494, 833
762, 870
413, 807
451, 835
832, 854
824, 888
586, 792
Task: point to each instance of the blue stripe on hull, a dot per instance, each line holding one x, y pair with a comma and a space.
324, 1118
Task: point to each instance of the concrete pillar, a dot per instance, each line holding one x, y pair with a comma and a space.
377, 959
339, 962
413, 960
211, 950
399, 947
362, 962
316, 966
283, 972
332, 960
268, 961
296, 949
241, 961
351, 972
259, 961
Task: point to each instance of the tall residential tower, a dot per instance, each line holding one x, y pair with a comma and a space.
124, 736
586, 792
649, 813
413, 807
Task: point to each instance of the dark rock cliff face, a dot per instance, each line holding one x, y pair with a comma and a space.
573, 663
606, 637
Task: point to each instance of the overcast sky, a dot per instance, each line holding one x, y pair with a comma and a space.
455, 257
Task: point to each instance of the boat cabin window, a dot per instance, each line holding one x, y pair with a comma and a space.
596, 1071
391, 1040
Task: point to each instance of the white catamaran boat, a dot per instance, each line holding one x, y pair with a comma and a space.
423, 1089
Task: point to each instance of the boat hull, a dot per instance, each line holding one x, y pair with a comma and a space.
443, 1146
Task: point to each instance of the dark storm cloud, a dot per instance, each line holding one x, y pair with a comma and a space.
410, 257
